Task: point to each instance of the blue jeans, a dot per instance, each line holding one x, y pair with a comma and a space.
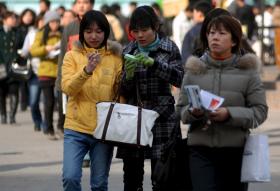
76, 145
34, 100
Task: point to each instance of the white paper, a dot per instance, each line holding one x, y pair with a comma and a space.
52, 54
210, 101
64, 103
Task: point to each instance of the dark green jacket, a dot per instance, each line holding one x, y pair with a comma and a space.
8, 47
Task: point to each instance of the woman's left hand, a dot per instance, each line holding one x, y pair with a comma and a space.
219, 115
145, 60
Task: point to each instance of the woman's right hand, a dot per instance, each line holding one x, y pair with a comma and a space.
49, 48
129, 67
93, 61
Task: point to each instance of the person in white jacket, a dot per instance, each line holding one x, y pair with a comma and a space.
33, 83
182, 23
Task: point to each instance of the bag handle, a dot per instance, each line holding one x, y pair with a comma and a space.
117, 96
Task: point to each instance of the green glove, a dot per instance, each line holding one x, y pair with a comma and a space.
129, 67
145, 60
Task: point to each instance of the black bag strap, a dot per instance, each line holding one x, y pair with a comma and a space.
139, 123
117, 96
107, 120
110, 111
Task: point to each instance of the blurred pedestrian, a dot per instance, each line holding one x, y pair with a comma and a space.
26, 23
33, 82
116, 10
191, 39
90, 74
68, 17
44, 6
216, 138
9, 87
60, 10
182, 23
276, 23
117, 31
244, 13
156, 67
46, 46
166, 25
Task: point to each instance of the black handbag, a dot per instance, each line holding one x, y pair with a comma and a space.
21, 72
172, 170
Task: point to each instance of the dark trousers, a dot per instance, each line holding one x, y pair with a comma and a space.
11, 90
48, 93
61, 116
133, 174
24, 95
216, 169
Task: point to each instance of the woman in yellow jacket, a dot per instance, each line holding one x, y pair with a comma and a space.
46, 46
90, 74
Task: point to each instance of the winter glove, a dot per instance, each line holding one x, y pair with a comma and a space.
129, 67
145, 60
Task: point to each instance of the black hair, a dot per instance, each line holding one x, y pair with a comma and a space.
8, 14
91, 1
133, 3
106, 9
211, 15
39, 17
115, 7
144, 17
46, 30
157, 7
100, 20
203, 6
47, 2
32, 13
231, 25
189, 8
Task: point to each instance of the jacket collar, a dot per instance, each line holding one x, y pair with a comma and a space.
163, 44
113, 47
248, 61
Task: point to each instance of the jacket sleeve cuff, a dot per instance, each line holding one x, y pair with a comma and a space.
85, 74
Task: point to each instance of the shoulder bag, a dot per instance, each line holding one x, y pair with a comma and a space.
124, 124
172, 169
21, 72
255, 161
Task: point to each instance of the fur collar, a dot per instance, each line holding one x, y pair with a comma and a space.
248, 61
112, 47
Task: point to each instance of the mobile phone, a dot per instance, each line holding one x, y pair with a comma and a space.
129, 57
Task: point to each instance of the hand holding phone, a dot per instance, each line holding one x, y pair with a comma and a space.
93, 61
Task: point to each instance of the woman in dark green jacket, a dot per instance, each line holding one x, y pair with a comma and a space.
217, 138
8, 54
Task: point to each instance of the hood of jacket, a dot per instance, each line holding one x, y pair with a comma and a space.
248, 61
113, 47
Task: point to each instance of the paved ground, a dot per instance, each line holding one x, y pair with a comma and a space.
31, 162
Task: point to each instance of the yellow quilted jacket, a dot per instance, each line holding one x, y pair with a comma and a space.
83, 90
48, 66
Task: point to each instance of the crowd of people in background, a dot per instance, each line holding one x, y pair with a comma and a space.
21, 37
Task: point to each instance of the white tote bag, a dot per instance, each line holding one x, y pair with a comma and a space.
124, 124
255, 162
